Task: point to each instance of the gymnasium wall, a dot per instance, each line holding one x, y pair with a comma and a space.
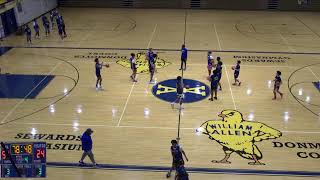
31, 9
196, 4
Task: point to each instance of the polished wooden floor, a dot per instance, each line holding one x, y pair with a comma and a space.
132, 126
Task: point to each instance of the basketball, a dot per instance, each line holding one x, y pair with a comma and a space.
107, 65
232, 68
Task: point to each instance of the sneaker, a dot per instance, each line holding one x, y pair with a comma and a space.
215, 98
239, 83
210, 99
168, 175
151, 82
281, 95
81, 163
234, 84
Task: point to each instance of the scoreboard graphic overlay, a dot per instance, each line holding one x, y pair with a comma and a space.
26, 159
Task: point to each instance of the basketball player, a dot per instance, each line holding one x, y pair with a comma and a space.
27, 31
177, 158
86, 143
152, 67
181, 173
180, 95
98, 67
46, 25
63, 26
219, 71
149, 54
277, 83
52, 19
214, 79
236, 73
36, 28
60, 30
210, 62
184, 57
133, 67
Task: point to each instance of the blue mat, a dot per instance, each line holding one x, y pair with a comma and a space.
20, 86
3, 50
317, 85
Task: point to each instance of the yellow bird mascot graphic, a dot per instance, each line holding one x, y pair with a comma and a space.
237, 135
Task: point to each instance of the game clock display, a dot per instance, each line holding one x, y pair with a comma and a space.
29, 158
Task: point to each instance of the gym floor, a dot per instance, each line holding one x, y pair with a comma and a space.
133, 125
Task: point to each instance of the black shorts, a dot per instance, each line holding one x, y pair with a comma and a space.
98, 75
236, 75
214, 87
184, 59
175, 163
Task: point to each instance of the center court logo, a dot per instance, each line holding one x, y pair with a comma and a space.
142, 63
237, 135
166, 90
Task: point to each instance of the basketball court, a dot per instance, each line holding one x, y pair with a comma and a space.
48, 93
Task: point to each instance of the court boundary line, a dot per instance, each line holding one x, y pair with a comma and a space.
161, 49
215, 30
22, 100
314, 74
225, 69
134, 83
308, 27
189, 169
142, 127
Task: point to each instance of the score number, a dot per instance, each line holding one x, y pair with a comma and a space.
40, 153
17, 149
3, 155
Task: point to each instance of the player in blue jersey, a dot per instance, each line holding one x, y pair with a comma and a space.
219, 71
63, 26
36, 28
214, 79
236, 69
177, 156
181, 173
52, 19
152, 67
98, 67
277, 83
180, 95
27, 31
149, 54
133, 67
60, 31
210, 62
46, 24
86, 144
184, 57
